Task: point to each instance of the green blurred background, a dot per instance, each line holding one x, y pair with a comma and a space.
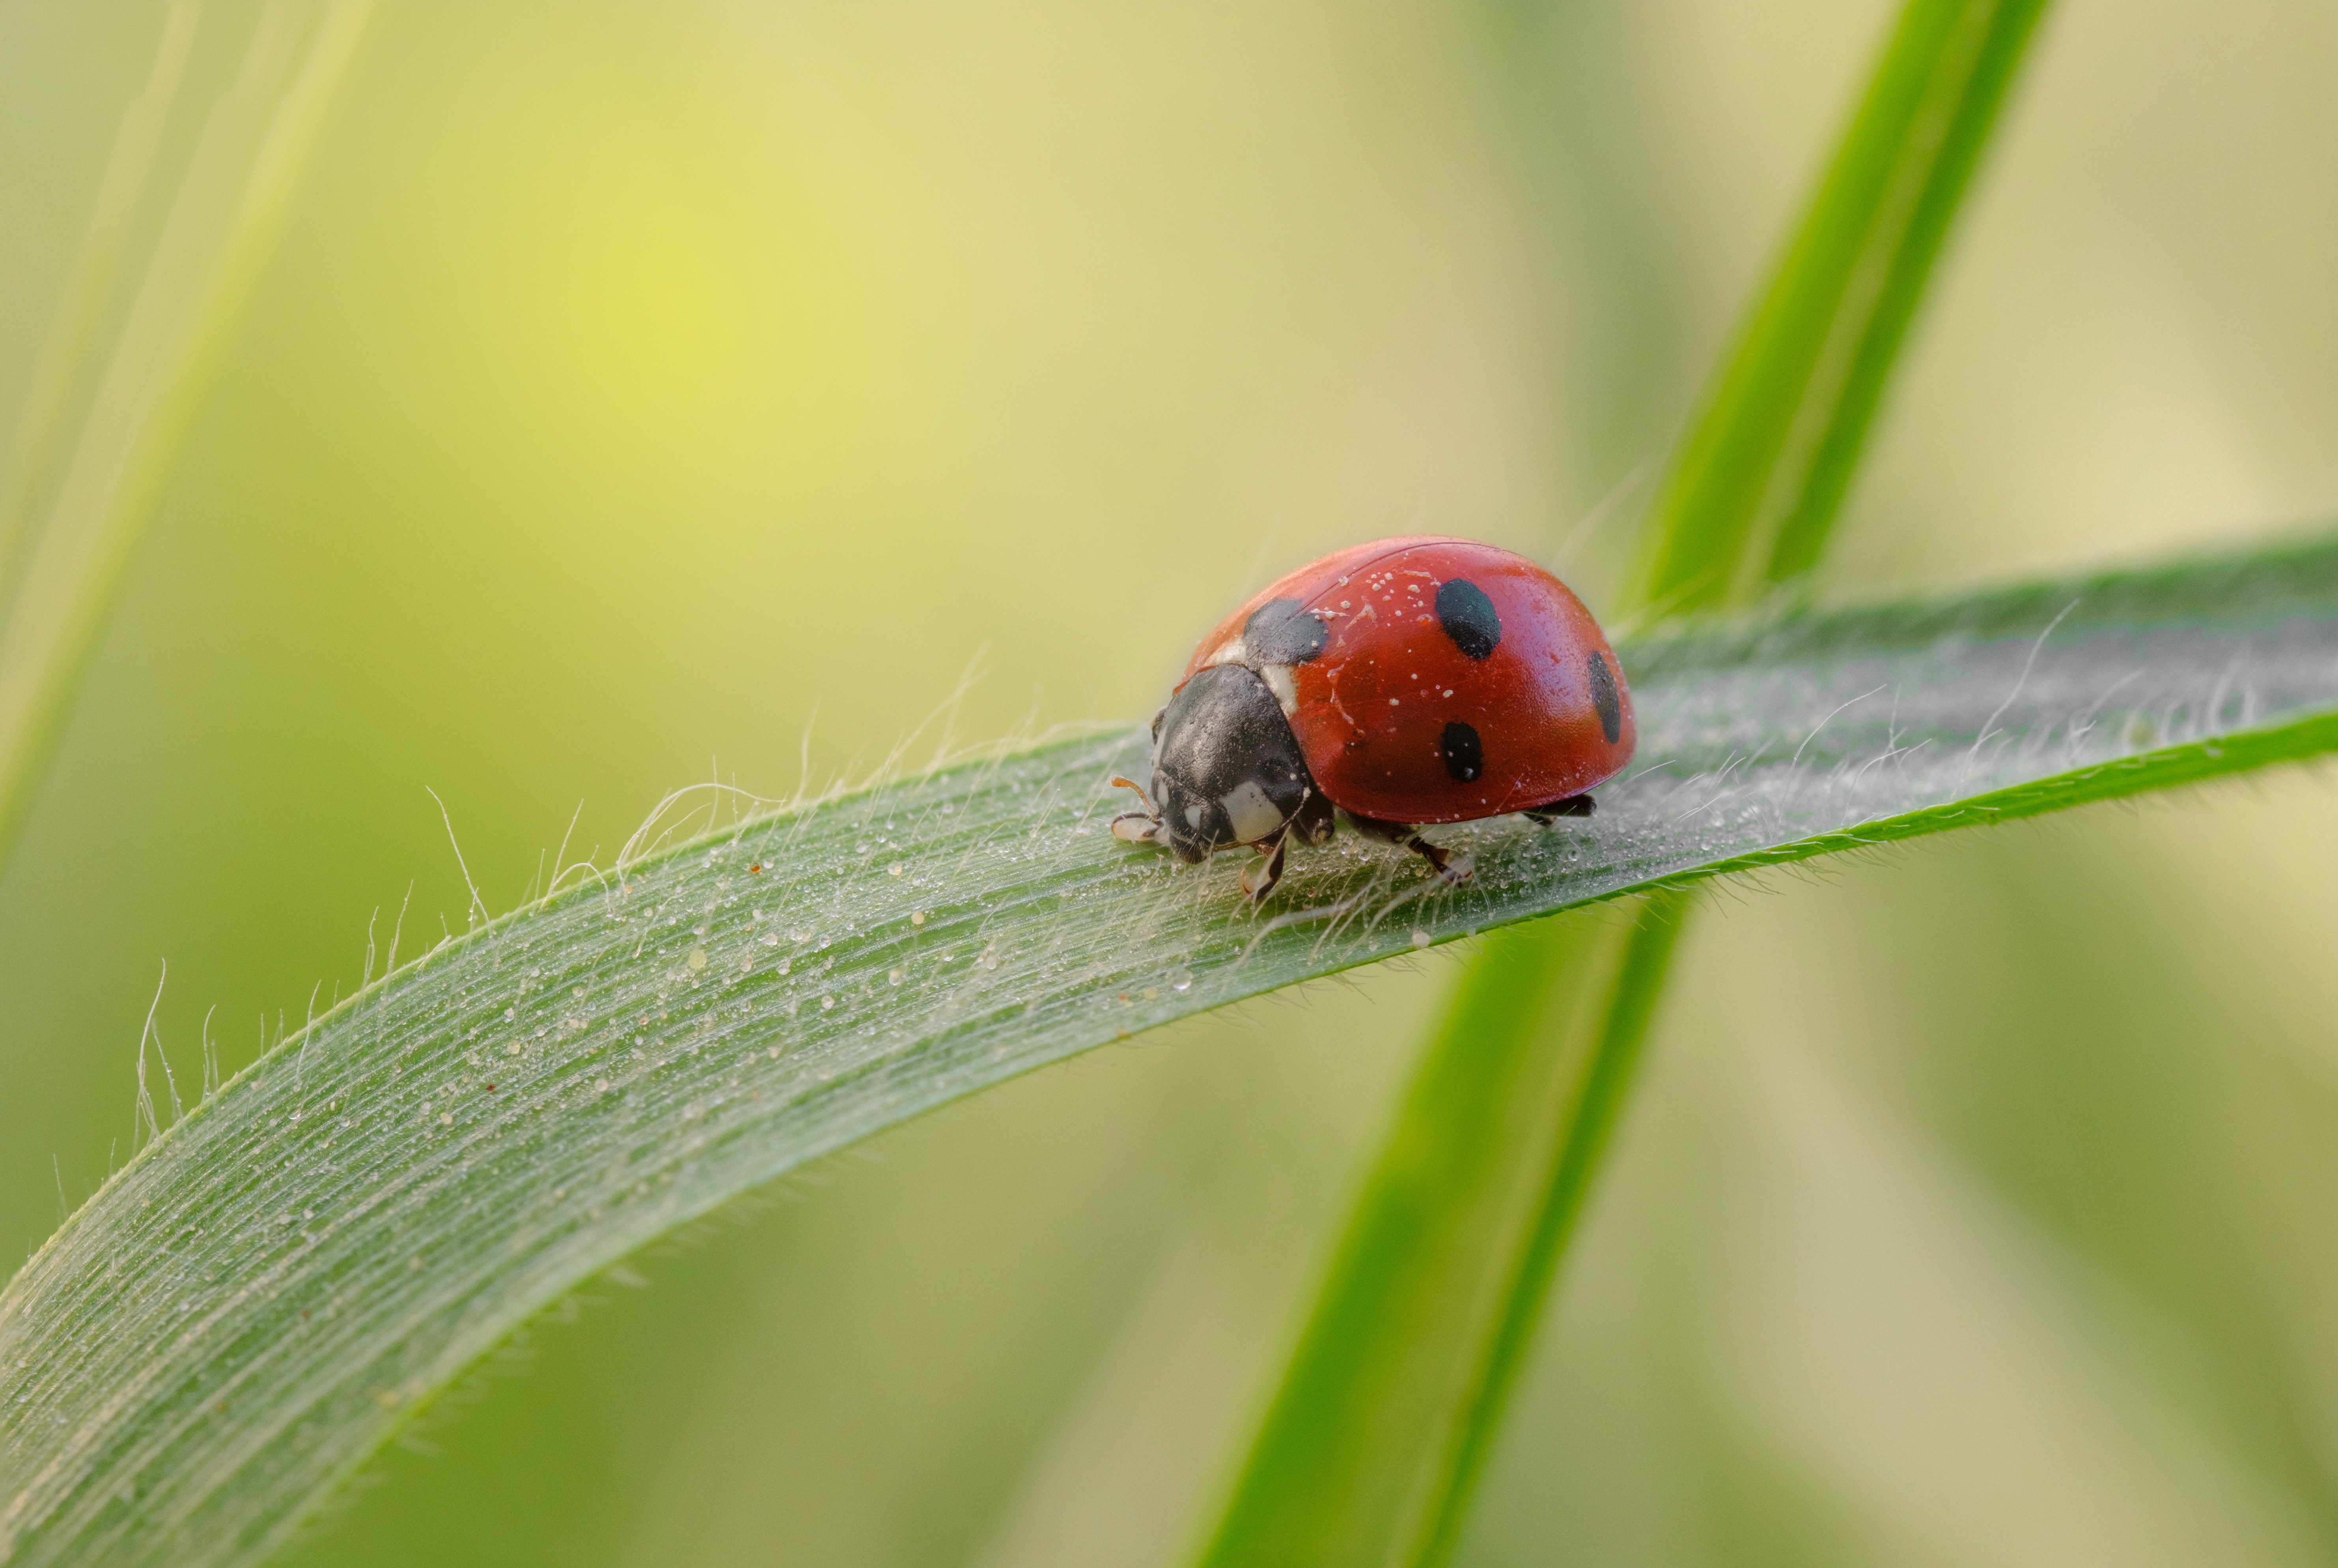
633, 381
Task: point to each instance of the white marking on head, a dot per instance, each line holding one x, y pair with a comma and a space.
1232, 651
1278, 681
1251, 815
1193, 817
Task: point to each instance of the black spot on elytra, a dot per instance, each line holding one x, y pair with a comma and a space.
1281, 631
1465, 757
1604, 698
1469, 618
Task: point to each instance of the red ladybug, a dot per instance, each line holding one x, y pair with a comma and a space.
1405, 681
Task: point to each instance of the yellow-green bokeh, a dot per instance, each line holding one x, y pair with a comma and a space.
633, 382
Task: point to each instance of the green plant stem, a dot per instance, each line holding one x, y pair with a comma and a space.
1755, 490
1965, 95
1583, 1134
1436, 1284
1748, 505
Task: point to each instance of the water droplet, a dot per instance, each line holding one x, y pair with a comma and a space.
697, 958
893, 870
827, 1003
1180, 980
1420, 939
600, 1086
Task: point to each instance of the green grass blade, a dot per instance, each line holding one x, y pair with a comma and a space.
77, 538
1748, 504
272, 1287
1430, 1301
1625, 1011
1756, 487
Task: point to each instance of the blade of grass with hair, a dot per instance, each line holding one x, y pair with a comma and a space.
278, 1282
1352, 1463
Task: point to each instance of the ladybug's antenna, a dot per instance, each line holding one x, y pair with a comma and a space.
1136, 826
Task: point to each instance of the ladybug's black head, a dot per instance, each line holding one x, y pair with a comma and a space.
1226, 769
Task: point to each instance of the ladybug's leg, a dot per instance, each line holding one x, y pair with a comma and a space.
1450, 867
1312, 822
1573, 805
1259, 877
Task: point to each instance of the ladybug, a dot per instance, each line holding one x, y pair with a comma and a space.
1399, 684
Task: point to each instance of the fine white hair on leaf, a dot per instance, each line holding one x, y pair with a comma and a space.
477, 910
147, 1127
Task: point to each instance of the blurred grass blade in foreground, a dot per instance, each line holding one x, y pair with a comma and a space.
1353, 1463
269, 1289
75, 502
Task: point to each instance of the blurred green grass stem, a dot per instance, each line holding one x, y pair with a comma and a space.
1755, 491
1393, 1396
1431, 1300
77, 495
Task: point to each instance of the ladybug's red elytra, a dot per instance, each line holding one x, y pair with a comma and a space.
1402, 683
